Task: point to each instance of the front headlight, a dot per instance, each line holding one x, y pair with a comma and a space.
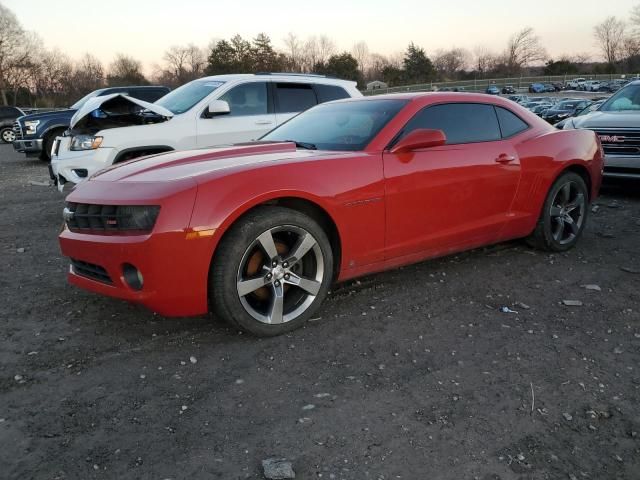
85, 142
31, 126
563, 115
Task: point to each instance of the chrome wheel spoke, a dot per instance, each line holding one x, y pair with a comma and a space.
555, 211
245, 287
276, 313
565, 192
305, 244
268, 245
577, 203
310, 286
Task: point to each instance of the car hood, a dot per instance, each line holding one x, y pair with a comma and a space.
623, 119
44, 115
115, 99
204, 163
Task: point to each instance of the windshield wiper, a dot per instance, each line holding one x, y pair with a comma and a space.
305, 145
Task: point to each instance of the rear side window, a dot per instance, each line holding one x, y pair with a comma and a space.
326, 93
510, 123
460, 122
294, 97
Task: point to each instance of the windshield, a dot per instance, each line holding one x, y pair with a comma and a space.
626, 99
338, 126
78, 105
184, 98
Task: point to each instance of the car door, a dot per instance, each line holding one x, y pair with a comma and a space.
251, 116
291, 98
454, 196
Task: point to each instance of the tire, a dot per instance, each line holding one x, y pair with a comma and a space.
47, 145
257, 291
7, 135
564, 215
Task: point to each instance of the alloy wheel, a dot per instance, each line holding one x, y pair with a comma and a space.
567, 213
8, 136
280, 274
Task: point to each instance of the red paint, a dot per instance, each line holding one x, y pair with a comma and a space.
390, 209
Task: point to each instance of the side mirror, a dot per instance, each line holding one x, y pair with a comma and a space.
418, 139
217, 107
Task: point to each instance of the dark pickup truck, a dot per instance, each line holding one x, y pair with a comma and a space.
8, 115
34, 134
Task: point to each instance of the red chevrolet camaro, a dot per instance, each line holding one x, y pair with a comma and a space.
258, 232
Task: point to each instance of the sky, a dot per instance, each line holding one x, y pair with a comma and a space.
144, 29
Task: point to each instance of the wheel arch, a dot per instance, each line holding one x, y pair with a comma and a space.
301, 204
580, 170
145, 150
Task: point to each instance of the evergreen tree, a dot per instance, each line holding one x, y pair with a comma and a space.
417, 66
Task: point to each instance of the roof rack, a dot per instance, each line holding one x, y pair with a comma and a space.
294, 74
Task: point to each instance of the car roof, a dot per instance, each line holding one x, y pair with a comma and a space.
460, 97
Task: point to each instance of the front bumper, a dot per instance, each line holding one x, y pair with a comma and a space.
621, 166
75, 167
28, 146
174, 262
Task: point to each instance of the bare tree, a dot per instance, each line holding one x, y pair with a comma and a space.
88, 74
360, 52
634, 18
484, 59
377, 64
15, 54
449, 62
294, 52
609, 36
326, 48
125, 70
53, 77
183, 64
523, 49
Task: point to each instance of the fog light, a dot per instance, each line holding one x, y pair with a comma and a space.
132, 276
81, 172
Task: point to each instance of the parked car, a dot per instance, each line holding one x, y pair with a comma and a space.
493, 90
592, 85
576, 83
536, 88
617, 123
260, 231
541, 108
8, 115
210, 111
35, 133
519, 98
585, 111
508, 89
548, 87
565, 109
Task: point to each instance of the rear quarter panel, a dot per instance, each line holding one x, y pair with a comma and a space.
543, 159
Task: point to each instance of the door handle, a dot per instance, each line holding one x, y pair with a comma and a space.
264, 122
504, 158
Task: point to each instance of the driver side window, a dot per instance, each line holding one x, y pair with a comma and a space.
247, 99
460, 122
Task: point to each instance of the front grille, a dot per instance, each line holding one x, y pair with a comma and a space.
88, 218
620, 142
17, 130
90, 270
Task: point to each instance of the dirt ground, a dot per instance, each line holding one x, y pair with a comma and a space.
412, 374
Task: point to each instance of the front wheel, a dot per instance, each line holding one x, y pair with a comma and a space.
7, 135
564, 215
271, 271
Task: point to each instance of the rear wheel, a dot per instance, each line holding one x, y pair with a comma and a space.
7, 135
271, 271
563, 216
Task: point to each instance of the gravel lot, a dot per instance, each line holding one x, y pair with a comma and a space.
414, 373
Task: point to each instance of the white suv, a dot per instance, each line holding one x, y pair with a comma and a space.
211, 111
